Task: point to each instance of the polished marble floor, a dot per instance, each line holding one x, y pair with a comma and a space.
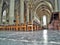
42, 37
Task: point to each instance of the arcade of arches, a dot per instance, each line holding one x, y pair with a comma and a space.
29, 15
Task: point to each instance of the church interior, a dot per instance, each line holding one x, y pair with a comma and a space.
29, 15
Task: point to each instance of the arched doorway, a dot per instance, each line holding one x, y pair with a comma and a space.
44, 20
4, 12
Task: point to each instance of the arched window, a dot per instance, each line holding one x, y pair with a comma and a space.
4, 13
44, 20
4, 16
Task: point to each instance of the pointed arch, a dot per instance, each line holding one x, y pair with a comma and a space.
45, 3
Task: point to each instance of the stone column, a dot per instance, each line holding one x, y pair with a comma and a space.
11, 12
56, 6
59, 8
21, 11
1, 4
27, 13
59, 5
31, 15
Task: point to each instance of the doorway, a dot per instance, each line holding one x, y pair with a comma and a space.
44, 21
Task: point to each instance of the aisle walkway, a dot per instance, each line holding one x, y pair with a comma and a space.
42, 37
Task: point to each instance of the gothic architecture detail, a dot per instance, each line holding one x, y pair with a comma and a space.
29, 15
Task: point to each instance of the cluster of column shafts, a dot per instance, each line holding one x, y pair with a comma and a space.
11, 12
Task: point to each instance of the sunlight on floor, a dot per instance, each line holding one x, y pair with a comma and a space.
45, 37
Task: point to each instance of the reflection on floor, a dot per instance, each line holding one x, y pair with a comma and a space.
42, 37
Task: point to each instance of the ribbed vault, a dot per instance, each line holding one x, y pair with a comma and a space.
44, 8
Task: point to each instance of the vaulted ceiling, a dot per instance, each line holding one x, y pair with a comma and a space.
43, 7
40, 6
